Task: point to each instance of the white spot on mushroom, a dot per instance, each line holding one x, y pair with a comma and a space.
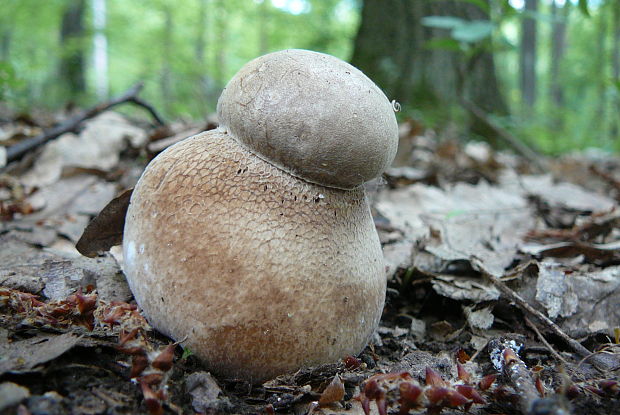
141, 250
130, 253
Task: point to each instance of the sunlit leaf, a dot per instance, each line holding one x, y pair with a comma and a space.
484, 6
444, 43
473, 31
583, 7
443, 22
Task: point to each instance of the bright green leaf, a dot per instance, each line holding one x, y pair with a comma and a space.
444, 43
454, 213
443, 22
484, 6
186, 353
583, 7
473, 31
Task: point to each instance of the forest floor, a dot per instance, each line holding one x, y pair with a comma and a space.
503, 287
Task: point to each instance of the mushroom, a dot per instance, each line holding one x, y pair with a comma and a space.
253, 244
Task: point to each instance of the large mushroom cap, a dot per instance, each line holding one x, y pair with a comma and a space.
312, 115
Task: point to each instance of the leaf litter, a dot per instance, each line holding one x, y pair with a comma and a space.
469, 236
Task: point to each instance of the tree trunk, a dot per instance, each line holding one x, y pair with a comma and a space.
201, 33
527, 57
602, 63
71, 68
221, 30
263, 27
390, 48
201, 62
166, 71
100, 49
5, 44
615, 131
558, 46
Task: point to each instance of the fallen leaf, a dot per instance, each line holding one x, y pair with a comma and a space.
24, 355
334, 392
106, 230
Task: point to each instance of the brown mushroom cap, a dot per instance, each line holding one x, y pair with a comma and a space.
257, 272
312, 115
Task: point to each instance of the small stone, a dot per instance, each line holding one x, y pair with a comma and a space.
11, 394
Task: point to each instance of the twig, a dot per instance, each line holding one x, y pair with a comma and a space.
131, 95
545, 342
510, 139
600, 364
529, 391
606, 176
518, 373
136, 100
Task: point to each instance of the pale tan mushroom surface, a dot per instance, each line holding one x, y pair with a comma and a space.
258, 272
312, 115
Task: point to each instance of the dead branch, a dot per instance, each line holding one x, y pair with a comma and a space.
555, 354
529, 391
18, 150
577, 347
510, 139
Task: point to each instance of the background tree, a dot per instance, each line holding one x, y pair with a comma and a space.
395, 48
527, 55
431, 55
100, 48
615, 132
71, 68
559, 18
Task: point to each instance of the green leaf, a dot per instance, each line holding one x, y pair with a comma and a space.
444, 43
442, 22
583, 7
186, 353
454, 213
482, 5
473, 31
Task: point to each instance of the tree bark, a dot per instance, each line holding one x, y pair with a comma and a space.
71, 67
558, 46
166, 71
527, 57
200, 55
615, 131
263, 27
5, 43
221, 30
390, 48
100, 48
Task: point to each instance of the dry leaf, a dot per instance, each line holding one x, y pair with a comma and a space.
334, 392
106, 230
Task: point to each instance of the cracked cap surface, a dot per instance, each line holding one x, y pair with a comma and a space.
313, 115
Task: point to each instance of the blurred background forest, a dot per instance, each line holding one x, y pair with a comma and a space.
547, 71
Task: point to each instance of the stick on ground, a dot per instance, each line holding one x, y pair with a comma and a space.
599, 363
18, 150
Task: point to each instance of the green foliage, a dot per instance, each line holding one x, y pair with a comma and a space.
583, 7
9, 81
186, 50
157, 41
468, 31
186, 353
